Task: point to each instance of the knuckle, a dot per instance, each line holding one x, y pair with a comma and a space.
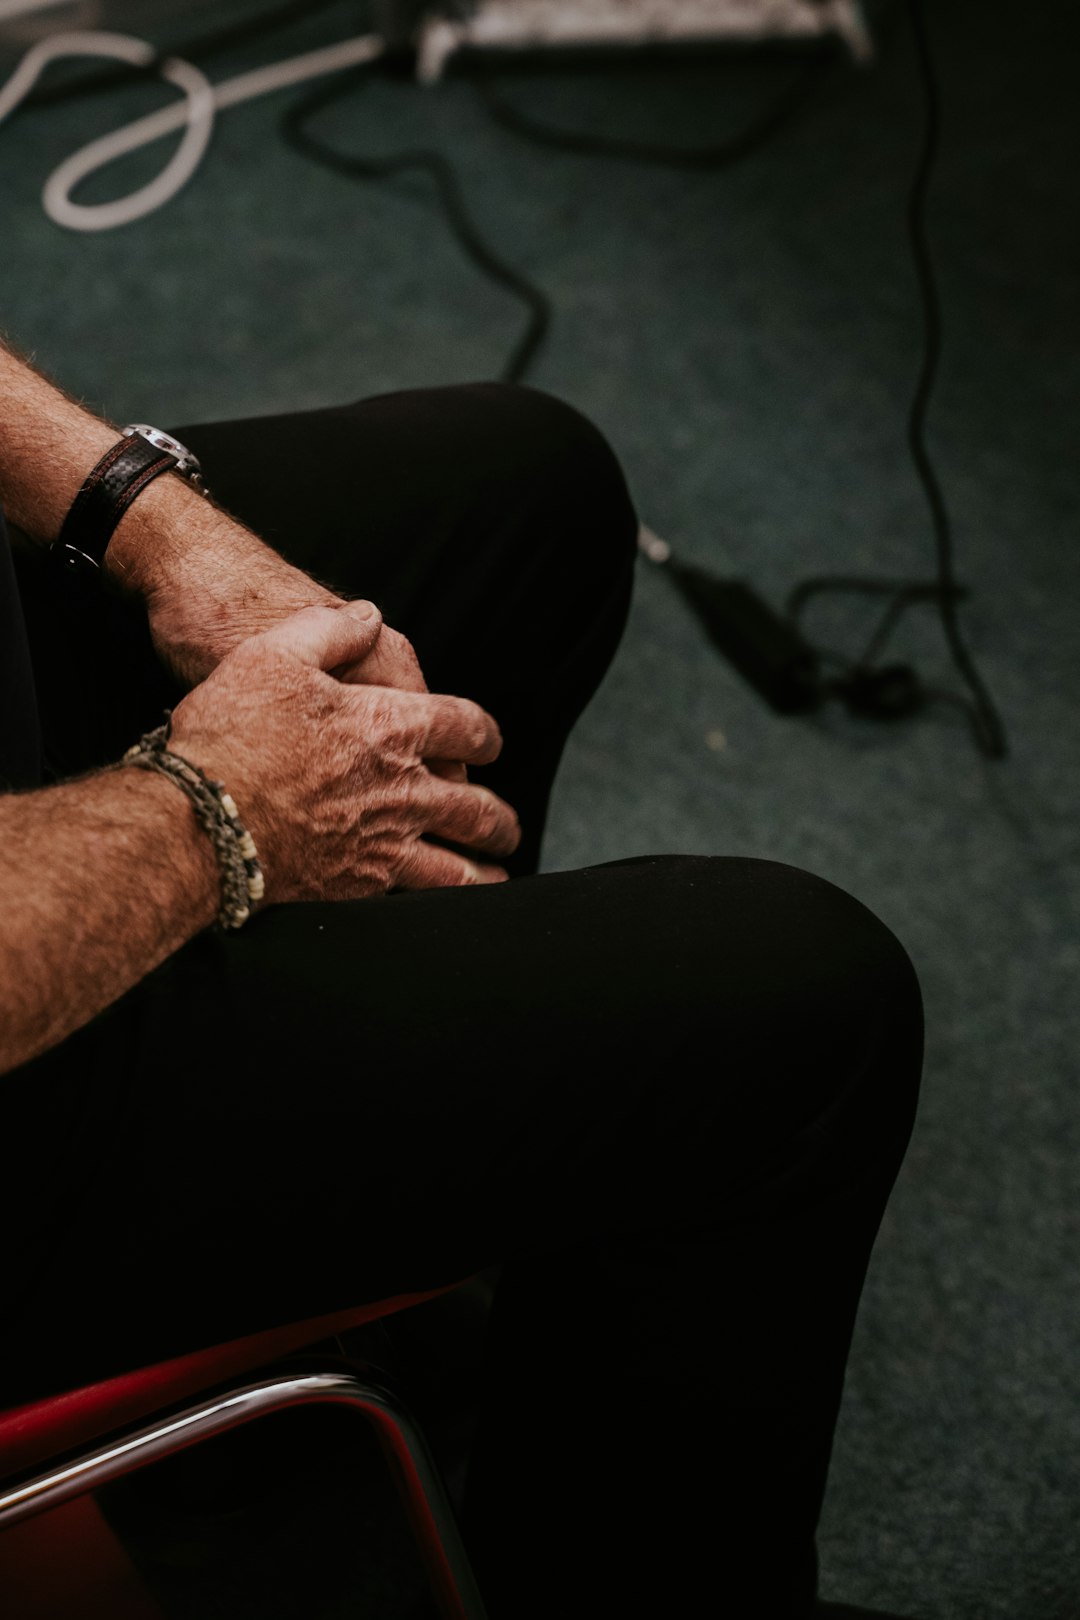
381, 717
484, 736
473, 722
487, 816
374, 705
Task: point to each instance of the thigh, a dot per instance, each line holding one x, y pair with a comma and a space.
465, 512
352, 1100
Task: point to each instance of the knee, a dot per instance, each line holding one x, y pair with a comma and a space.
856, 991
567, 464
867, 1028
853, 955
800, 948
807, 902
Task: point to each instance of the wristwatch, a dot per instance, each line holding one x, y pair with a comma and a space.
119, 477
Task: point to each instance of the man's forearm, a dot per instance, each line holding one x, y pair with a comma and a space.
170, 538
101, 879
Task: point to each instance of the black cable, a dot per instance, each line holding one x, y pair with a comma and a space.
296, 134
904, 593
946, 592
293, 127
989, 729
859, 675
986, 723
719, 156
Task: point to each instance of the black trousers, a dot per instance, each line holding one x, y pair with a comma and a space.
669, 1095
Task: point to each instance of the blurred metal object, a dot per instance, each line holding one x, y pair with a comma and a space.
657, 550
521, 25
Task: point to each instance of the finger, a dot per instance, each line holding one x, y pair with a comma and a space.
458, 729
391, 662
474, 816
444, 727
426, 866
327, 635
451, 769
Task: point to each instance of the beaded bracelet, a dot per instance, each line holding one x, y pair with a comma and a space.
241, 874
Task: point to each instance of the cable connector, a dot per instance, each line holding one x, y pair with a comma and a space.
890, 693
767, 650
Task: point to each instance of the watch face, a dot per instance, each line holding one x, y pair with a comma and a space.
188, 464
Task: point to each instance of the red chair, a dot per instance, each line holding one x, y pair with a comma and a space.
57, 1450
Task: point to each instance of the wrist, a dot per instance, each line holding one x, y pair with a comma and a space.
171, 544
207, 582
167, 519
191, 854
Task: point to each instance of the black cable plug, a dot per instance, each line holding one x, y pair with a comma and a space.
767, 650
890, 693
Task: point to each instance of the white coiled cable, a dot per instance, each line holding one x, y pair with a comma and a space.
202, 101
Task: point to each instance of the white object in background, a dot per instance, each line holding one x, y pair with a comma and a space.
197, 112
536, 24
202, 101
20, 8
657, 550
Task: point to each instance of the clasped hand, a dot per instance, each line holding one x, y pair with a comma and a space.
331, 775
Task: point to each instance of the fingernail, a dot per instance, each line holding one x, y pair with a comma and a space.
484, 874
361, 610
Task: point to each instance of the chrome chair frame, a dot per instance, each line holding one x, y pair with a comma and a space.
413, 1468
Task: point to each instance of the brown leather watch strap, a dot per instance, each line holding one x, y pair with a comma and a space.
121, 475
